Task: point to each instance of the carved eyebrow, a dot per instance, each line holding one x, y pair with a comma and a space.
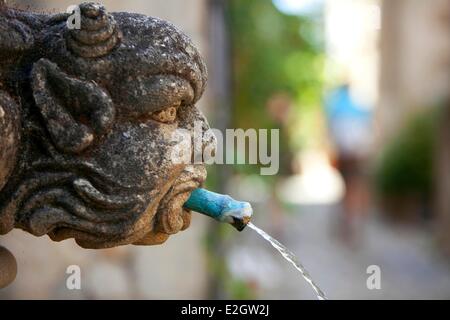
146, 94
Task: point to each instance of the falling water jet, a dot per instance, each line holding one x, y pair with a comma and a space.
237, 213
289, 256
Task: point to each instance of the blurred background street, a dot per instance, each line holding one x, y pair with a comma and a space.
360, 90
410, 266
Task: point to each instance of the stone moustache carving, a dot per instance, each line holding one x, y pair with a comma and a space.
86, 123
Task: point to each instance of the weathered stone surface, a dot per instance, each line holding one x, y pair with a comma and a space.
88, 117
9, 138
8, 267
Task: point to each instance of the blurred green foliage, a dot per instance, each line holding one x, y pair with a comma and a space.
273, 53
241, 290
406, 166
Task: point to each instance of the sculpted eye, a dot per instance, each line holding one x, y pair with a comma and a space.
167, 115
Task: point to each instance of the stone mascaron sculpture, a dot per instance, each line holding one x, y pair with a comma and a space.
86, 117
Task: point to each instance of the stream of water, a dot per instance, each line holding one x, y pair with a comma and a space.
289, 256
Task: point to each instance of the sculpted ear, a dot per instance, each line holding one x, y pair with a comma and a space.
74, 111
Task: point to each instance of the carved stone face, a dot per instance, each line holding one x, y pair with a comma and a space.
99, 107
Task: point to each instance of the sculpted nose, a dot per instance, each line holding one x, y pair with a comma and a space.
209, 144
205, 142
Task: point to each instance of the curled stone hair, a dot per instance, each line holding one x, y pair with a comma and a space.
98, 34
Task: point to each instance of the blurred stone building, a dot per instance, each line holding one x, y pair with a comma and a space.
415, 58
176, 270
415, 76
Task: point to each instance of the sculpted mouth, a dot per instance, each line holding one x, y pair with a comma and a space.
170, 216
78, 201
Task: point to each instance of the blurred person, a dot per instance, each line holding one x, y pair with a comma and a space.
349, 125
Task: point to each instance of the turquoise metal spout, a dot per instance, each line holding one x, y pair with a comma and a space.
221, 207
